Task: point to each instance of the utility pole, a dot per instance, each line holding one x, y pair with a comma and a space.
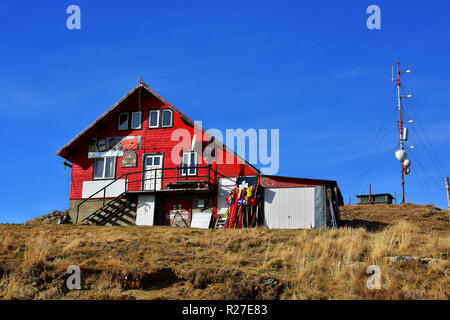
401, 154
447, 187
349, 199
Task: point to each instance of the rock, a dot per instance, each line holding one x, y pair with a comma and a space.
58, 217
402, 258
270, 282
424, 261
429, 261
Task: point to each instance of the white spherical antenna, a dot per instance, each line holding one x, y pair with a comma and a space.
401, 155
406, 163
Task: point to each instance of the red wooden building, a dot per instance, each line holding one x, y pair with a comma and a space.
144, 162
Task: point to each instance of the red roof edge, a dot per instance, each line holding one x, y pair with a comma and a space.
300, 180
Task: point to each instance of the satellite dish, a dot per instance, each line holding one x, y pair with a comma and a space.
401, 155
407, 170
406, 163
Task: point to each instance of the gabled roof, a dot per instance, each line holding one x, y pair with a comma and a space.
142, 84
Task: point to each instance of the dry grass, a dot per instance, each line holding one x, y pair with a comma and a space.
37, 247
182, 263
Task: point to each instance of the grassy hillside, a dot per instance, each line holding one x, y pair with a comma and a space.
181, 263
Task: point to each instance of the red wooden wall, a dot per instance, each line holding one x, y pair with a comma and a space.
152, 141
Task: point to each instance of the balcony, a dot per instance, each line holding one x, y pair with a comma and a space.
200, 178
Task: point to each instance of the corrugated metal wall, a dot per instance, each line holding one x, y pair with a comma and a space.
292, 208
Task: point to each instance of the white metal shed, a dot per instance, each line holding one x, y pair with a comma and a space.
295, 207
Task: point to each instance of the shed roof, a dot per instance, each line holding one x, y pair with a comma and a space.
293, 180
270, 181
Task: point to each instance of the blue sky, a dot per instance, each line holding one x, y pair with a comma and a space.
311, 69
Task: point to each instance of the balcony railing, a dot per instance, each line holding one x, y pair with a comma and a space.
193, 177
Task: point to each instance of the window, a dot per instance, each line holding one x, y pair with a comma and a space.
136, 120
104, 168
166, 118
153, 119
123, 121
189, 164
130, 120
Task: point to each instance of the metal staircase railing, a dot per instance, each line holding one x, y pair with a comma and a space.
112, 209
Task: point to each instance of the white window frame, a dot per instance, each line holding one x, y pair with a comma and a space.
140, 120
150, 118
104, 169
128, 121
186, 170
162, 118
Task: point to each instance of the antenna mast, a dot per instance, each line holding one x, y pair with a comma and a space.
401, 154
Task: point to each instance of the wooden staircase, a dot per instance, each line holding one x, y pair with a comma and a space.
120, 210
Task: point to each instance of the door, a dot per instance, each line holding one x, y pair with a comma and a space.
225, 186
153, 172
291, 207
145, 212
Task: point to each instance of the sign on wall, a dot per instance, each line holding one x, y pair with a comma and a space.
112, 146
129, 159
130, 144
